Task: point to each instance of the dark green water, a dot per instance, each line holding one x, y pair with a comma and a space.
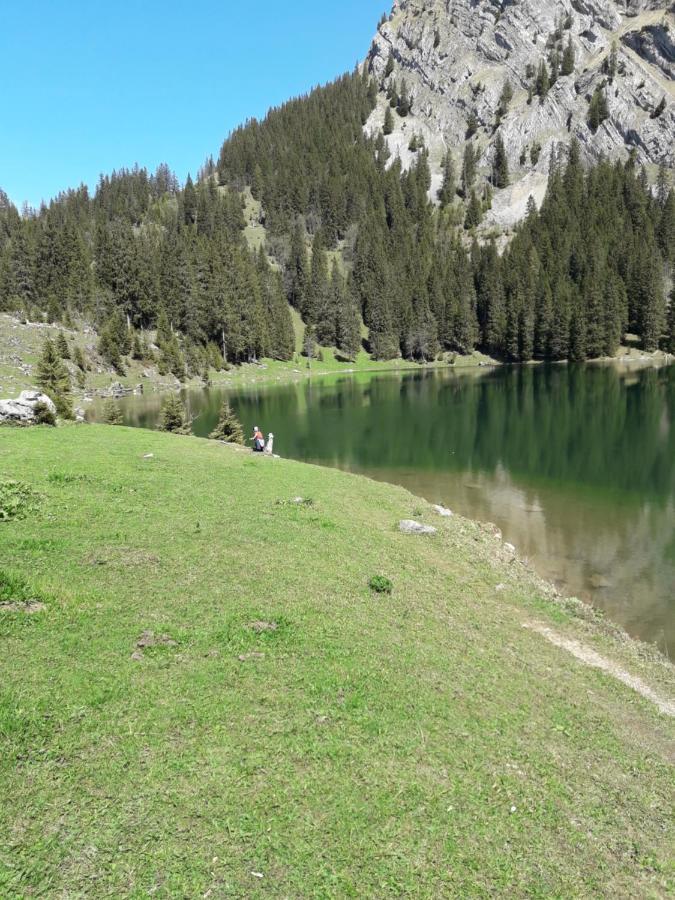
575, 465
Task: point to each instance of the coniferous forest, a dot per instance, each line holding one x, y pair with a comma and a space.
350, 239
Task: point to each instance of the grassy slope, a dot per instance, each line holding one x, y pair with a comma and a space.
20, 347
422, 744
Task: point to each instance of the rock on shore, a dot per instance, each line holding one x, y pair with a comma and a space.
22, 410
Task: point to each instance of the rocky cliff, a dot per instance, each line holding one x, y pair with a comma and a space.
456, 56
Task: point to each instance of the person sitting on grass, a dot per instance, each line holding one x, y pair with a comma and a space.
258, 440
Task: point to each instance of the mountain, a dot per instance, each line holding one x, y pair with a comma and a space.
556, 56
494, 177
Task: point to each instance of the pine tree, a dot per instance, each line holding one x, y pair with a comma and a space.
598, 109
468, 170
318, 290
53, 379
348, 325
612, 64
543, 82
112, 414
389, 68
189, 203
474, 213
173, 416
298, 267
309, 344
114, 341
568, 59
500, 166
404, 103
446, 195
229, 428
62, 346
388, 126
491, 300
505, 98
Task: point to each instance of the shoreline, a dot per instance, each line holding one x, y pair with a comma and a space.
20, 344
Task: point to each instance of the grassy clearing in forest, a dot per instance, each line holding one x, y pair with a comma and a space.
210, 700
21, 345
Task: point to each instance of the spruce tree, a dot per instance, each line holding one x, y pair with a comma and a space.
404, 103
114, 341
446, 195
229, 428
348, 325
471, 125
53, 379
505, 99
613, 60
112, 414
500, 166
468, 170
598, 109
568, 60
62, 346
388, 126
543, 82
173, 417
474, 213
318, 290
298, 267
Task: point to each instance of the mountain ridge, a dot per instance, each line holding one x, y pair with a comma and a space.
456, 56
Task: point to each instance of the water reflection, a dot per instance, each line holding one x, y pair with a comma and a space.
575, 464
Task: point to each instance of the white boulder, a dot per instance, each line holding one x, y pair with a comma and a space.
22, 410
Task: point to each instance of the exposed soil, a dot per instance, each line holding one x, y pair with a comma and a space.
261, 627
25, 606
149, 640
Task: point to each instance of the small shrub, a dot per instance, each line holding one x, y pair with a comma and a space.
62, 478
380, 585
44, 415
16, 499
112, 414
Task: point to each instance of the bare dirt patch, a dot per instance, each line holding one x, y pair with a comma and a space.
23, 606
590, 657
122, 557
149, 640
262, 627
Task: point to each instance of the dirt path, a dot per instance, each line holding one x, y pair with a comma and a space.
590, 657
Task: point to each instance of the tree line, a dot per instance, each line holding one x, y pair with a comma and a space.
350, 239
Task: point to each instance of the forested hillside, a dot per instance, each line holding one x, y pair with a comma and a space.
350, 236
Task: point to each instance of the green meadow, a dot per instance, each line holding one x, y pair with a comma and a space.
202, 696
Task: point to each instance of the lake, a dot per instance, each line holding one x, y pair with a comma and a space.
576, 464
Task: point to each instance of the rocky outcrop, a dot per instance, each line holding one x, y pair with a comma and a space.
22, 410
654, 44
457, 55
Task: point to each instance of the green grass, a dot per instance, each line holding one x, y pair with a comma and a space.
351, 744
20, 347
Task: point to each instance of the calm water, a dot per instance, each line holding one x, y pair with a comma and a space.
575, 465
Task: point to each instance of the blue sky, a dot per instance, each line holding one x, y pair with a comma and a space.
87, 87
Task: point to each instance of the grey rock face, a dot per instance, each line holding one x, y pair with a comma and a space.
457, 55
22, 410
